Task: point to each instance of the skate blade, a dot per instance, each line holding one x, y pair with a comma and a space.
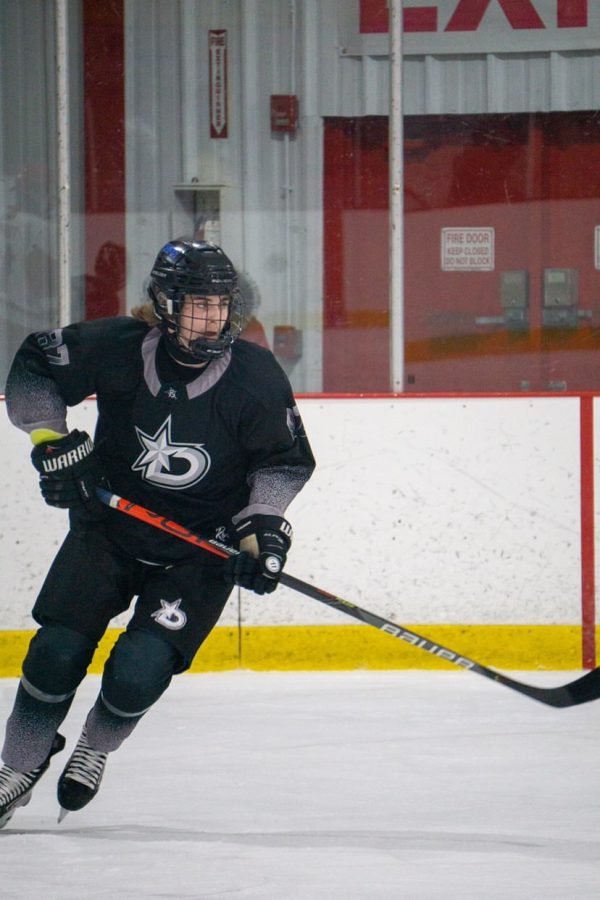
5, 819
62, 814
7, 816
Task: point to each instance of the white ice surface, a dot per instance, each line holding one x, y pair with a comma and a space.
325, 786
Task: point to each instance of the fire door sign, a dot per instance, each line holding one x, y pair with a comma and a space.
467, 249
597, 247
217, 69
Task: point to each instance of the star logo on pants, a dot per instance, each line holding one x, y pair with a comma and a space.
169, 615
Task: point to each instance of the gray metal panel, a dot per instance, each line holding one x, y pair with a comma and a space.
532, 82
269, 184
353, 73
153, 132
576, 80
28, 226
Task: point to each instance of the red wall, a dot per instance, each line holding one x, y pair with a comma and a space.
533, 178
356, 319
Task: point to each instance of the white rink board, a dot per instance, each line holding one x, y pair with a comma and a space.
424, 510
442, 510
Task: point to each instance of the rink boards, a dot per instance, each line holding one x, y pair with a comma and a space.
469, 518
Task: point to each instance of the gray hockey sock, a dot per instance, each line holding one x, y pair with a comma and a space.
32, 725
107, 728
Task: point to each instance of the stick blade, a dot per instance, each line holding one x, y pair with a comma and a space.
582, 690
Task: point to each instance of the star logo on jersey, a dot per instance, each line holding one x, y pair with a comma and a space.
167, 463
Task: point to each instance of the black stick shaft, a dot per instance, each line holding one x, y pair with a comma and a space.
582, 690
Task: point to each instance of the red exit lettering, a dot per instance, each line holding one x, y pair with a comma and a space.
468, 14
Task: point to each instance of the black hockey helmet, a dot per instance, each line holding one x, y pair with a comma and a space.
185, 266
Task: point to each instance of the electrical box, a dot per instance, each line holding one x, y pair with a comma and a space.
514, 299
284, 113
514, 289
561, 297
198, 211
207, 221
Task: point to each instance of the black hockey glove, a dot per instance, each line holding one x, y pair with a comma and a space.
69, 471
264, 542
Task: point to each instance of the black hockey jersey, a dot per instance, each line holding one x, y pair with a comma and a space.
198, 447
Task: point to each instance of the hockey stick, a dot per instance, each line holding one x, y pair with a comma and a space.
582, 690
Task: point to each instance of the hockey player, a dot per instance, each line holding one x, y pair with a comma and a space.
200, 427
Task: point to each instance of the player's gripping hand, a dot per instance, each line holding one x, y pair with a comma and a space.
264, 543
69, 469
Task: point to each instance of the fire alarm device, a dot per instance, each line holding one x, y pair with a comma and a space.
284, 112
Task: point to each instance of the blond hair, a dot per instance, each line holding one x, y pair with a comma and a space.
145, 313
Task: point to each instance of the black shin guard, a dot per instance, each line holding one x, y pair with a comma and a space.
137, 673
57, 660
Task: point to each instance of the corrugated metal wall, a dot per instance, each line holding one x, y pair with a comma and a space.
28, 234
354, 72
270, 185
271, 197
28, 170
492, 82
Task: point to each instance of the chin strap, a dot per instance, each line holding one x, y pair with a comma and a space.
181, 355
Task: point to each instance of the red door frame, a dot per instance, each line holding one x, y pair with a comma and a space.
104, 156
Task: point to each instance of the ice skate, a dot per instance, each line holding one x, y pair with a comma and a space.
16, 787
81, 777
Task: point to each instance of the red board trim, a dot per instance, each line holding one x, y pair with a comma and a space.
588, 562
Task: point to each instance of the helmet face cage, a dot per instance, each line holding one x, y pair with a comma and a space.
185, 267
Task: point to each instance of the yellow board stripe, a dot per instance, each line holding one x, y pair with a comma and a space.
321, 647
